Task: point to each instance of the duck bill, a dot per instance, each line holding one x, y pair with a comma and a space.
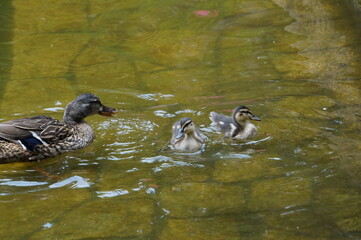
255, 118
180, 134
107, 111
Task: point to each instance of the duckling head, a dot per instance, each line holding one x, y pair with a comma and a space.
186, 127
242, 114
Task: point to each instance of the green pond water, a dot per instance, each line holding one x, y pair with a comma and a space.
295, 63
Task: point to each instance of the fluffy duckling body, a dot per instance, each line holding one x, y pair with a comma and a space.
238, 126
40, 137
186, 137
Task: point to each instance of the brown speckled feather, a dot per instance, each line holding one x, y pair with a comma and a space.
40, 137
48, 129
13, 152
18, 129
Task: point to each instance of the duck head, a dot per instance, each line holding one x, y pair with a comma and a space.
83, 106
242, 114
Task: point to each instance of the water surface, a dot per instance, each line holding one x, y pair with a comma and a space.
295, 64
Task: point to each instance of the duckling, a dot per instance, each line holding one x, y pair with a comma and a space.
40, 137
238, 126
186, 137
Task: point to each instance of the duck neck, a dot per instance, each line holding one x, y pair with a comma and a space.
72, 121
248, 130
71, 116
193, 136
240, 125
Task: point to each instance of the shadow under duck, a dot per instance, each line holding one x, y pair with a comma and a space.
40, 137
186, 137
238, 126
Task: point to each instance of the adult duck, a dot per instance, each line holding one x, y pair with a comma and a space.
40, 137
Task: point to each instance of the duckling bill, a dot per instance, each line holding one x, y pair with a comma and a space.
40, 137
186, 137
238, 126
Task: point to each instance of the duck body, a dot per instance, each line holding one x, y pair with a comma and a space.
186, 137
238, 126
40, 137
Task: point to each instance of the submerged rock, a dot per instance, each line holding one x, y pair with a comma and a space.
172, 173
234, 170
340, 206
309, 107
296, 222
280, 193
350, 224
32, 214
103, 219
279, 234
201, 228
202, 199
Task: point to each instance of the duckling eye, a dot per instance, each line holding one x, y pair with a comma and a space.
245, 113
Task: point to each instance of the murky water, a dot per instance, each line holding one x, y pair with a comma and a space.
296, 64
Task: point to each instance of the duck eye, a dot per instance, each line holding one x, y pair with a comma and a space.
95, 101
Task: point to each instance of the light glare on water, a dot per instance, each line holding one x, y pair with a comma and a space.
295, 64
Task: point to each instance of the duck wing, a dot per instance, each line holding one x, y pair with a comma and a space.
200, 136
29, 132
18, 129
221, 121
225, 124
55, 131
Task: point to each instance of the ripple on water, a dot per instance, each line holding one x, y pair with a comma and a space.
127, 142
159, 158
189, 111
27, 186
75, 181
163, 114
167, 162
126, 126
54, 109
126, 150
155, 96
9, 182
233, 155
113, 193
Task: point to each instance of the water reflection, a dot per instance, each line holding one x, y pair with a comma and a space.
113, 193
294, 63
76, 181
6, 38
8, 182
